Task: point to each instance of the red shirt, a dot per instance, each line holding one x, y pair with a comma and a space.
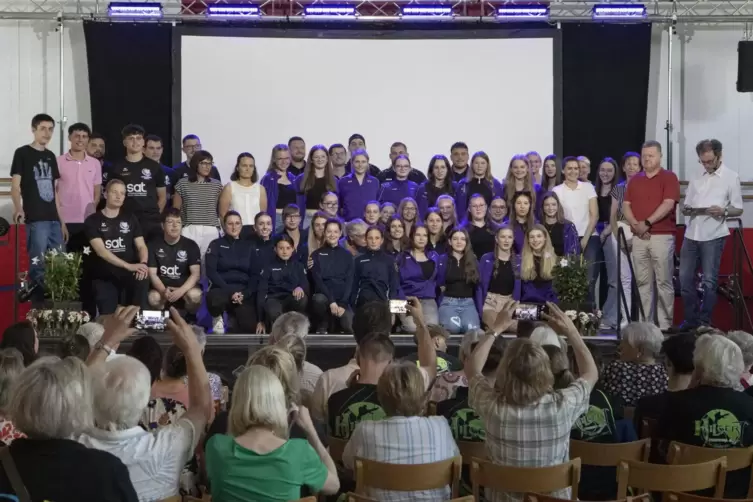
646, 194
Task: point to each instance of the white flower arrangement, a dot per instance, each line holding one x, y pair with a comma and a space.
586, 322
57, 322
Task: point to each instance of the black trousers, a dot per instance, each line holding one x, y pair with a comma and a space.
77, 241
120, 289
243, 315
324, 318
275, 307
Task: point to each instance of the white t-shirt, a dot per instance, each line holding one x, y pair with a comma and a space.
575, 204
154, 459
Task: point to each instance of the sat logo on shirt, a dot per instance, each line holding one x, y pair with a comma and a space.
146, 174
124, 227
182, 256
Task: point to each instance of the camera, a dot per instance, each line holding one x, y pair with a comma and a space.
529, 312
151, 320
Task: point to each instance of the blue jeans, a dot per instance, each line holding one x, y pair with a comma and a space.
458, 315
708, 254
593, 255
41, 236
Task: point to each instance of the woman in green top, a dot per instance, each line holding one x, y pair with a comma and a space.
256, 462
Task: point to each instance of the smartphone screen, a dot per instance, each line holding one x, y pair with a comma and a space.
151, 320
528, 313
398, 306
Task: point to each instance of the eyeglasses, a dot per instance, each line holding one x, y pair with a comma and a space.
708, 163
206, 163
293, 216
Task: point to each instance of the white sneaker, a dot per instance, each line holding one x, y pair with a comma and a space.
218, 325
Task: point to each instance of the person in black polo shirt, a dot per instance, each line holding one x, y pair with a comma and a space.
174, 267
144, 181
119, 267
191, 145
346, 408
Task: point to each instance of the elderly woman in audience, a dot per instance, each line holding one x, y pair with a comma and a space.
406, 436
159, 411
745, 342
637, 373
447, 384
51, 402
712, 413
522, 402
11, 365
154, 459
23, 337
296, 325
257, 460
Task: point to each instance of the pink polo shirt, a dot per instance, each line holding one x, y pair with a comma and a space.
76, 187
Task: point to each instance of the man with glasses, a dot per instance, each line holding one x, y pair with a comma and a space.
711, 198
191, 145
174, 267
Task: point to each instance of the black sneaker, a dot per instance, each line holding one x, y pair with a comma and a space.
321, 331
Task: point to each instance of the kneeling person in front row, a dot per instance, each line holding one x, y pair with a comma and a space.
174, 267
119, 268
283, 284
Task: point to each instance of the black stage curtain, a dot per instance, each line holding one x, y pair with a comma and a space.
130, 81
605, 69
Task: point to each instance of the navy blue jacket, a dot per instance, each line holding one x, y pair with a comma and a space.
263, 254
301, 253
412, 280
375, 277
333, 273
278, 279
229, 264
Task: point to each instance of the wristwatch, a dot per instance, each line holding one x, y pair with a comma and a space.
648, 223
726, 212
106, 348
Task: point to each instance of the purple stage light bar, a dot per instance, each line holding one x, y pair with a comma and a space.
428, 10
522, 12
128, 9
331, 11
619, 11
233, 10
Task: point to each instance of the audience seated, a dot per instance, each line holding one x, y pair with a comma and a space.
159, 411
22, 336
173, 383
559, 365
92, 331
215, 382
370, 317
447, 383
678, 353
154, 459
439, 336
297, 325
405, 436
257, 461
637, 373
348, 407
712, 413
11, 365
51, 402
522, 405
745, 342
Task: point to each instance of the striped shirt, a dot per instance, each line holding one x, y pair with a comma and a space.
199, 201
403, 440
618, 193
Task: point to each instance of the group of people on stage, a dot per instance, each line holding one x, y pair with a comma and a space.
327, 231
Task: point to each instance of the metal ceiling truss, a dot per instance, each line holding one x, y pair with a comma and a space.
682, 11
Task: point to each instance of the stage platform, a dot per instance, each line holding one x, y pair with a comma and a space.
226, 353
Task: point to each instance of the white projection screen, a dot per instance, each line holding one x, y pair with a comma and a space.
246, 93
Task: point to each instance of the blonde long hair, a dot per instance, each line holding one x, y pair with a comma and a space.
488, 176
528, 270
258, 401
313, 242
510, 181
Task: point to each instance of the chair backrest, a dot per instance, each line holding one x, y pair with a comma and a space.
686, 497
668, 478
354, 497
537, 497
609, 454
524, 479
472, 449
682, 454
336, 447
408, 477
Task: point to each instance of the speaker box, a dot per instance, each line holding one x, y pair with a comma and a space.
745, 66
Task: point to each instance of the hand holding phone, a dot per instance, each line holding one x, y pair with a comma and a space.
398, 307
